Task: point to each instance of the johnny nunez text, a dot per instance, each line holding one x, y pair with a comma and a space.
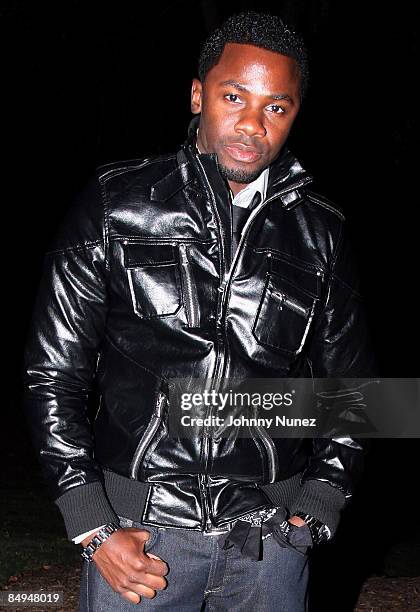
243, 421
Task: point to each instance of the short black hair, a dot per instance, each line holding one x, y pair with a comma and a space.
261, 30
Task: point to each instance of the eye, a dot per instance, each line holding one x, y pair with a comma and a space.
232, 98
278, 110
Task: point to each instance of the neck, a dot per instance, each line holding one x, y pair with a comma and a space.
236, 187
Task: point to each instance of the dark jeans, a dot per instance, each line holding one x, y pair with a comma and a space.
203, 576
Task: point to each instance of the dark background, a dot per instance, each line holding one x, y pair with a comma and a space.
86, 83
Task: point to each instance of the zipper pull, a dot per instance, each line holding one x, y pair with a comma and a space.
184, 258
221, 288
189, 289
280, 297
159, 404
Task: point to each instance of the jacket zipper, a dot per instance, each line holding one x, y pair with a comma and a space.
267, 440
203, 483
147, 436
299, 309
225, 286
100, 400
273, 461
223, 290
219, 358
292, 304
190, 289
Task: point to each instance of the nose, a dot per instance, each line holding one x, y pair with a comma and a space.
250, 124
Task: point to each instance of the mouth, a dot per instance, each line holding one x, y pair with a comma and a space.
242, 153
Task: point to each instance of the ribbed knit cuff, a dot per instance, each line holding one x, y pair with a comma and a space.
84, 508
283, 492
321, 500
127, 496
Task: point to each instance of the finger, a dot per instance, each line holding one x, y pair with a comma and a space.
144, 591
131, 596
149, 580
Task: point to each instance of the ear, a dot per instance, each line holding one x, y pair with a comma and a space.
196, 96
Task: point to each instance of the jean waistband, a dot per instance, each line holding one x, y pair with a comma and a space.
211, 530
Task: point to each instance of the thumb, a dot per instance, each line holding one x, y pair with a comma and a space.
143, 534
158, 559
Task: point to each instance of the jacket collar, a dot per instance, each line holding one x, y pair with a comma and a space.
286, 173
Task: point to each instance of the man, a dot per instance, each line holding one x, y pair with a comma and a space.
217, 261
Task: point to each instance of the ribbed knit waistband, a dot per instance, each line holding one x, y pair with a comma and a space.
129, 497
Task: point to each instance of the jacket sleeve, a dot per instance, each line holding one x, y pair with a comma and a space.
340, 348
60, 359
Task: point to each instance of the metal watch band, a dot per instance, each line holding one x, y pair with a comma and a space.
97, 541
319, 531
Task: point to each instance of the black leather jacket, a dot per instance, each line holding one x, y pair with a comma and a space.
142, 286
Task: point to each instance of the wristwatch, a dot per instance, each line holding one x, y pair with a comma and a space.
319, 531
97, 541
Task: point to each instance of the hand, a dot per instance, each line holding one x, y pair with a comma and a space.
296, 520
127, 568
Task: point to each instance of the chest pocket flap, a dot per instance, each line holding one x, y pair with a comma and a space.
153, 278
284, 315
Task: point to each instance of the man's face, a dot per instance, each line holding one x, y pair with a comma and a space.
248, 103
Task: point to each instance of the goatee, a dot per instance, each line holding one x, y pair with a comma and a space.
239, 176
